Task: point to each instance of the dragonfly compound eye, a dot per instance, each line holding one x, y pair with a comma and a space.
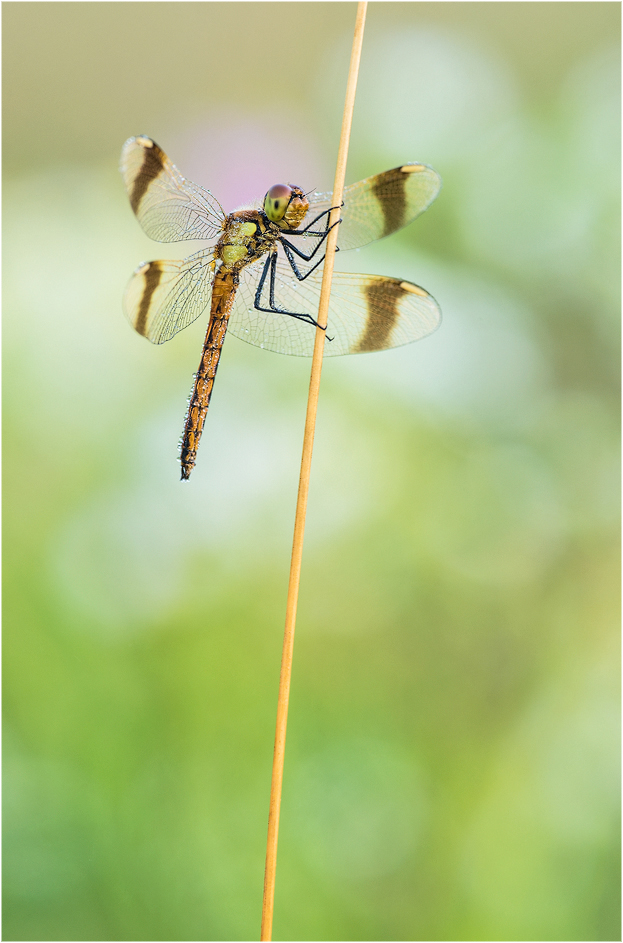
277, 201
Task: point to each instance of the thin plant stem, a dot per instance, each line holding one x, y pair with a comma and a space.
301, 504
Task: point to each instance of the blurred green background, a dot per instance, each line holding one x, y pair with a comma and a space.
452, 761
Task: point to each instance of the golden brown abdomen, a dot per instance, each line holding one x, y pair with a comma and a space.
223, 293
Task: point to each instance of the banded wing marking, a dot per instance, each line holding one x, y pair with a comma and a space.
366, 312
379, 205
164, 297
168, 207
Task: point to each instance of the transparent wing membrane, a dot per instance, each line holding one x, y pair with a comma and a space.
168, 207
366, 312
164, 297
379, 205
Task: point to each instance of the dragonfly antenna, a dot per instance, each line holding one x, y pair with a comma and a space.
301, 504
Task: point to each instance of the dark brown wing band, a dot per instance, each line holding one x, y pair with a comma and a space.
382, 297
151, 168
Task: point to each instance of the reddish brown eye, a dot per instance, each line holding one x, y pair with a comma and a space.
276, 201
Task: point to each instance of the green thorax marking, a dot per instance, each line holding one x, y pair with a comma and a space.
246, 238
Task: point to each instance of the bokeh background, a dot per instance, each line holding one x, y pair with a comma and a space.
452, 762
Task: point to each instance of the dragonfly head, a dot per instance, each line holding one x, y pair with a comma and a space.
286, 205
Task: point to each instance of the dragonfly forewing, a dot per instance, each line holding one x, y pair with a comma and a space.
379, 205
168, 207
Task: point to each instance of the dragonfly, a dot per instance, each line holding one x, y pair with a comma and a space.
261, 276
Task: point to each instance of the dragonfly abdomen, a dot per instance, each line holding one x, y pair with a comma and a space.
223, 294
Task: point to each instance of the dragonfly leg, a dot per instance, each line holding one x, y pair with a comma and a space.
286, 248
260, 284
302, 255
271, 262
271, 288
